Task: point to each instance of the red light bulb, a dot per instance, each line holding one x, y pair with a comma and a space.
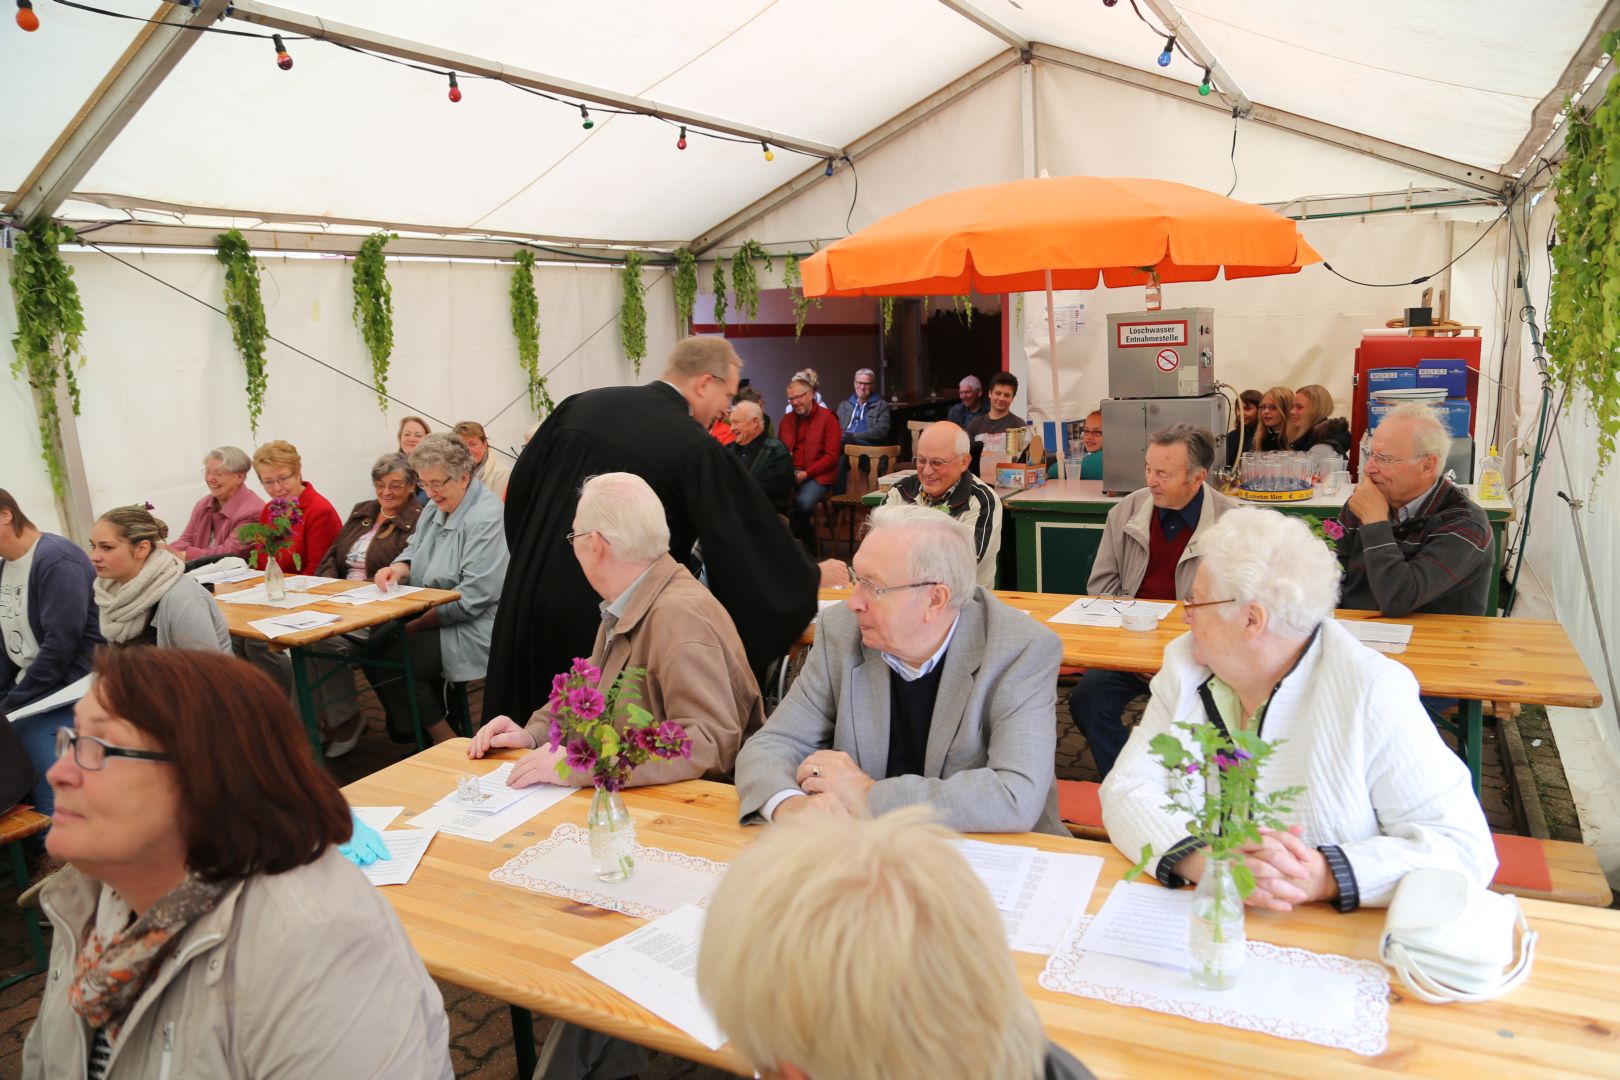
283, 57
455, 91
680, 143
26, 17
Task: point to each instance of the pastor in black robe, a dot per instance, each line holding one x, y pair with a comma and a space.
549, 613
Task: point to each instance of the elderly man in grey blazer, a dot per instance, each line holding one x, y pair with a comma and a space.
922, 688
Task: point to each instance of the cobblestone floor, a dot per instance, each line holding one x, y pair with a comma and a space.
480, 1029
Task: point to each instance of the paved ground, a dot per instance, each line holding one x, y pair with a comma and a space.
480, 1031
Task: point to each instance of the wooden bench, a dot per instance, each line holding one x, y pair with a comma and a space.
1540, 869
17, 825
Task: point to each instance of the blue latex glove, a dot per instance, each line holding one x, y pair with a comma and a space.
365, 846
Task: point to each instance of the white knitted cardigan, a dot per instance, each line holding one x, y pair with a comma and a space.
1378, 781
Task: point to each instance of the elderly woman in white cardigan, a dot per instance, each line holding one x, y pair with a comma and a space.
1383, 795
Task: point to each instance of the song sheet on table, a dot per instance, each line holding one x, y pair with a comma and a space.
1039, 893
370, 594
656, 967
405, 850
378, 817
1384, 636
291, 623
226, 577
306, 582
488, 828
1142, 922
497, 796
68, 695
257, 595
1096, 611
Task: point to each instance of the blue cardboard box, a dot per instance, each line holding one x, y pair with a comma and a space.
1391, 378
1458, 415
1450, 375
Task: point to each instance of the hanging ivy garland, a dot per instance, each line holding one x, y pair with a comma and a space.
793, 281
686, 288
719, 286
374, 309
1583, 316
744, 283
964, 309
633, 311
526, 328
886, 305
50, 324
244, 310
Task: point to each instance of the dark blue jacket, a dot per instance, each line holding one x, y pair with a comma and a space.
63, 617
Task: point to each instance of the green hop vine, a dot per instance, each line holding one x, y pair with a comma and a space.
719, 285
886, 306
686, 288
744, 283
793, 281
633, 311
50, 324
244, 309
526, 328
1583, 316
374, 309
963, 306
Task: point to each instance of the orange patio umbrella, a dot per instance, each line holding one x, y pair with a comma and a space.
1064, 232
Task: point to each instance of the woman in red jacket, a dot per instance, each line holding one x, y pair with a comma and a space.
811, 434
281, 474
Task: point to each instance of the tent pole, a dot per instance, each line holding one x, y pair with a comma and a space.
1057, 402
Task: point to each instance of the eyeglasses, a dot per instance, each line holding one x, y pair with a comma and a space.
800, 397
1384, 461
875, 591
91, 753
393, 485
440, 485
276, 481
571, 537
859, 383
1091, 431
1188, 603
933, 464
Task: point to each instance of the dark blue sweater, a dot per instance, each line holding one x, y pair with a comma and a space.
63, 618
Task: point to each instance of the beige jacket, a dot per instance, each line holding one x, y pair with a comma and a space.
697, 673
1122, 558
295, 975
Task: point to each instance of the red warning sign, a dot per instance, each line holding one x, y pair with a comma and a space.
1169, 359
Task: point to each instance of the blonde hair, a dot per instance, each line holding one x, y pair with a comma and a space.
470, 427
866, 949
281, 453
135, 525
1321, 408
400, 434
627, 513
695, 356
1283, 398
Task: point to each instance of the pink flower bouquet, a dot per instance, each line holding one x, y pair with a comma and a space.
608, 735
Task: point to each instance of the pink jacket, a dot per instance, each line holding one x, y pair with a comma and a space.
219, 524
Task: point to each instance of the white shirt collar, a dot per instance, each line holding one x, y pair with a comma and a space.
911, 674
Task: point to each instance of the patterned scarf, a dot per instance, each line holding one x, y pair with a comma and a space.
127, 608
114, 968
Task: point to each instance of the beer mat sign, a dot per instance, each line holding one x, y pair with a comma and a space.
1152, 335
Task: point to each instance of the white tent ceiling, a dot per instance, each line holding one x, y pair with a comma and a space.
347, 137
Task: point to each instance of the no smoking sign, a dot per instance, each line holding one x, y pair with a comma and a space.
1169, 359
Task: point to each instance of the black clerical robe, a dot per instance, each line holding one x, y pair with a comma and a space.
548, 613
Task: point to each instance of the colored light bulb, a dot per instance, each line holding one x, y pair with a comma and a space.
455, 91
585, 117
26, 17
1109, 3
283, 57
769, 155
680, 143
829, 167
1203, 87
1169, 48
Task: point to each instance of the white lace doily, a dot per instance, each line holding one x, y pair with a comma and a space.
1291, 993
561, 865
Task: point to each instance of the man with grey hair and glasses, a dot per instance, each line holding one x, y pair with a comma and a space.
921, 688
1412, 540
944, 482
864, 415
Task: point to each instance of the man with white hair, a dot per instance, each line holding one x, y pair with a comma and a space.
921, 688
1382, 795
971, 405
1412, 540
656, 617
944, 482
766, 459
864, 416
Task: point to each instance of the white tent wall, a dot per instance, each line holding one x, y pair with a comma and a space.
1553, 585
163, 382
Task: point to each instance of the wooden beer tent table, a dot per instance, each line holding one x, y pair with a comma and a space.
518, 947
1472, 658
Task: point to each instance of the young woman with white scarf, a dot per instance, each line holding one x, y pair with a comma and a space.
142, 591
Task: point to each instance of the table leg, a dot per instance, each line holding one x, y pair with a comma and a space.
306, 702
410, 687
1473, 738
36, 942
523, 1041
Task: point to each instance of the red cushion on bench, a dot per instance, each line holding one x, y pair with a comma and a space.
1078, 802
1521, 862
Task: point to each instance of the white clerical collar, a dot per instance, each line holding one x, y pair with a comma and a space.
912, 674
678, 390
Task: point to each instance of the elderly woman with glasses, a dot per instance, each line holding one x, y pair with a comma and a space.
459, 544
281, 474
229, 504
1382, 794
206, 923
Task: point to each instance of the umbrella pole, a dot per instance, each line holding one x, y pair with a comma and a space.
1057, 402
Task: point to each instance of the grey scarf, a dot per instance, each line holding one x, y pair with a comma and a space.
126, 609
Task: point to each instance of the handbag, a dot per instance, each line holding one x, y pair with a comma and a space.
1448, 939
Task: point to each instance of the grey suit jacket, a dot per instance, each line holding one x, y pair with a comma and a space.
989, 761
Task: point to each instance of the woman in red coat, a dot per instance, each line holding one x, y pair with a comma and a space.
281, 474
